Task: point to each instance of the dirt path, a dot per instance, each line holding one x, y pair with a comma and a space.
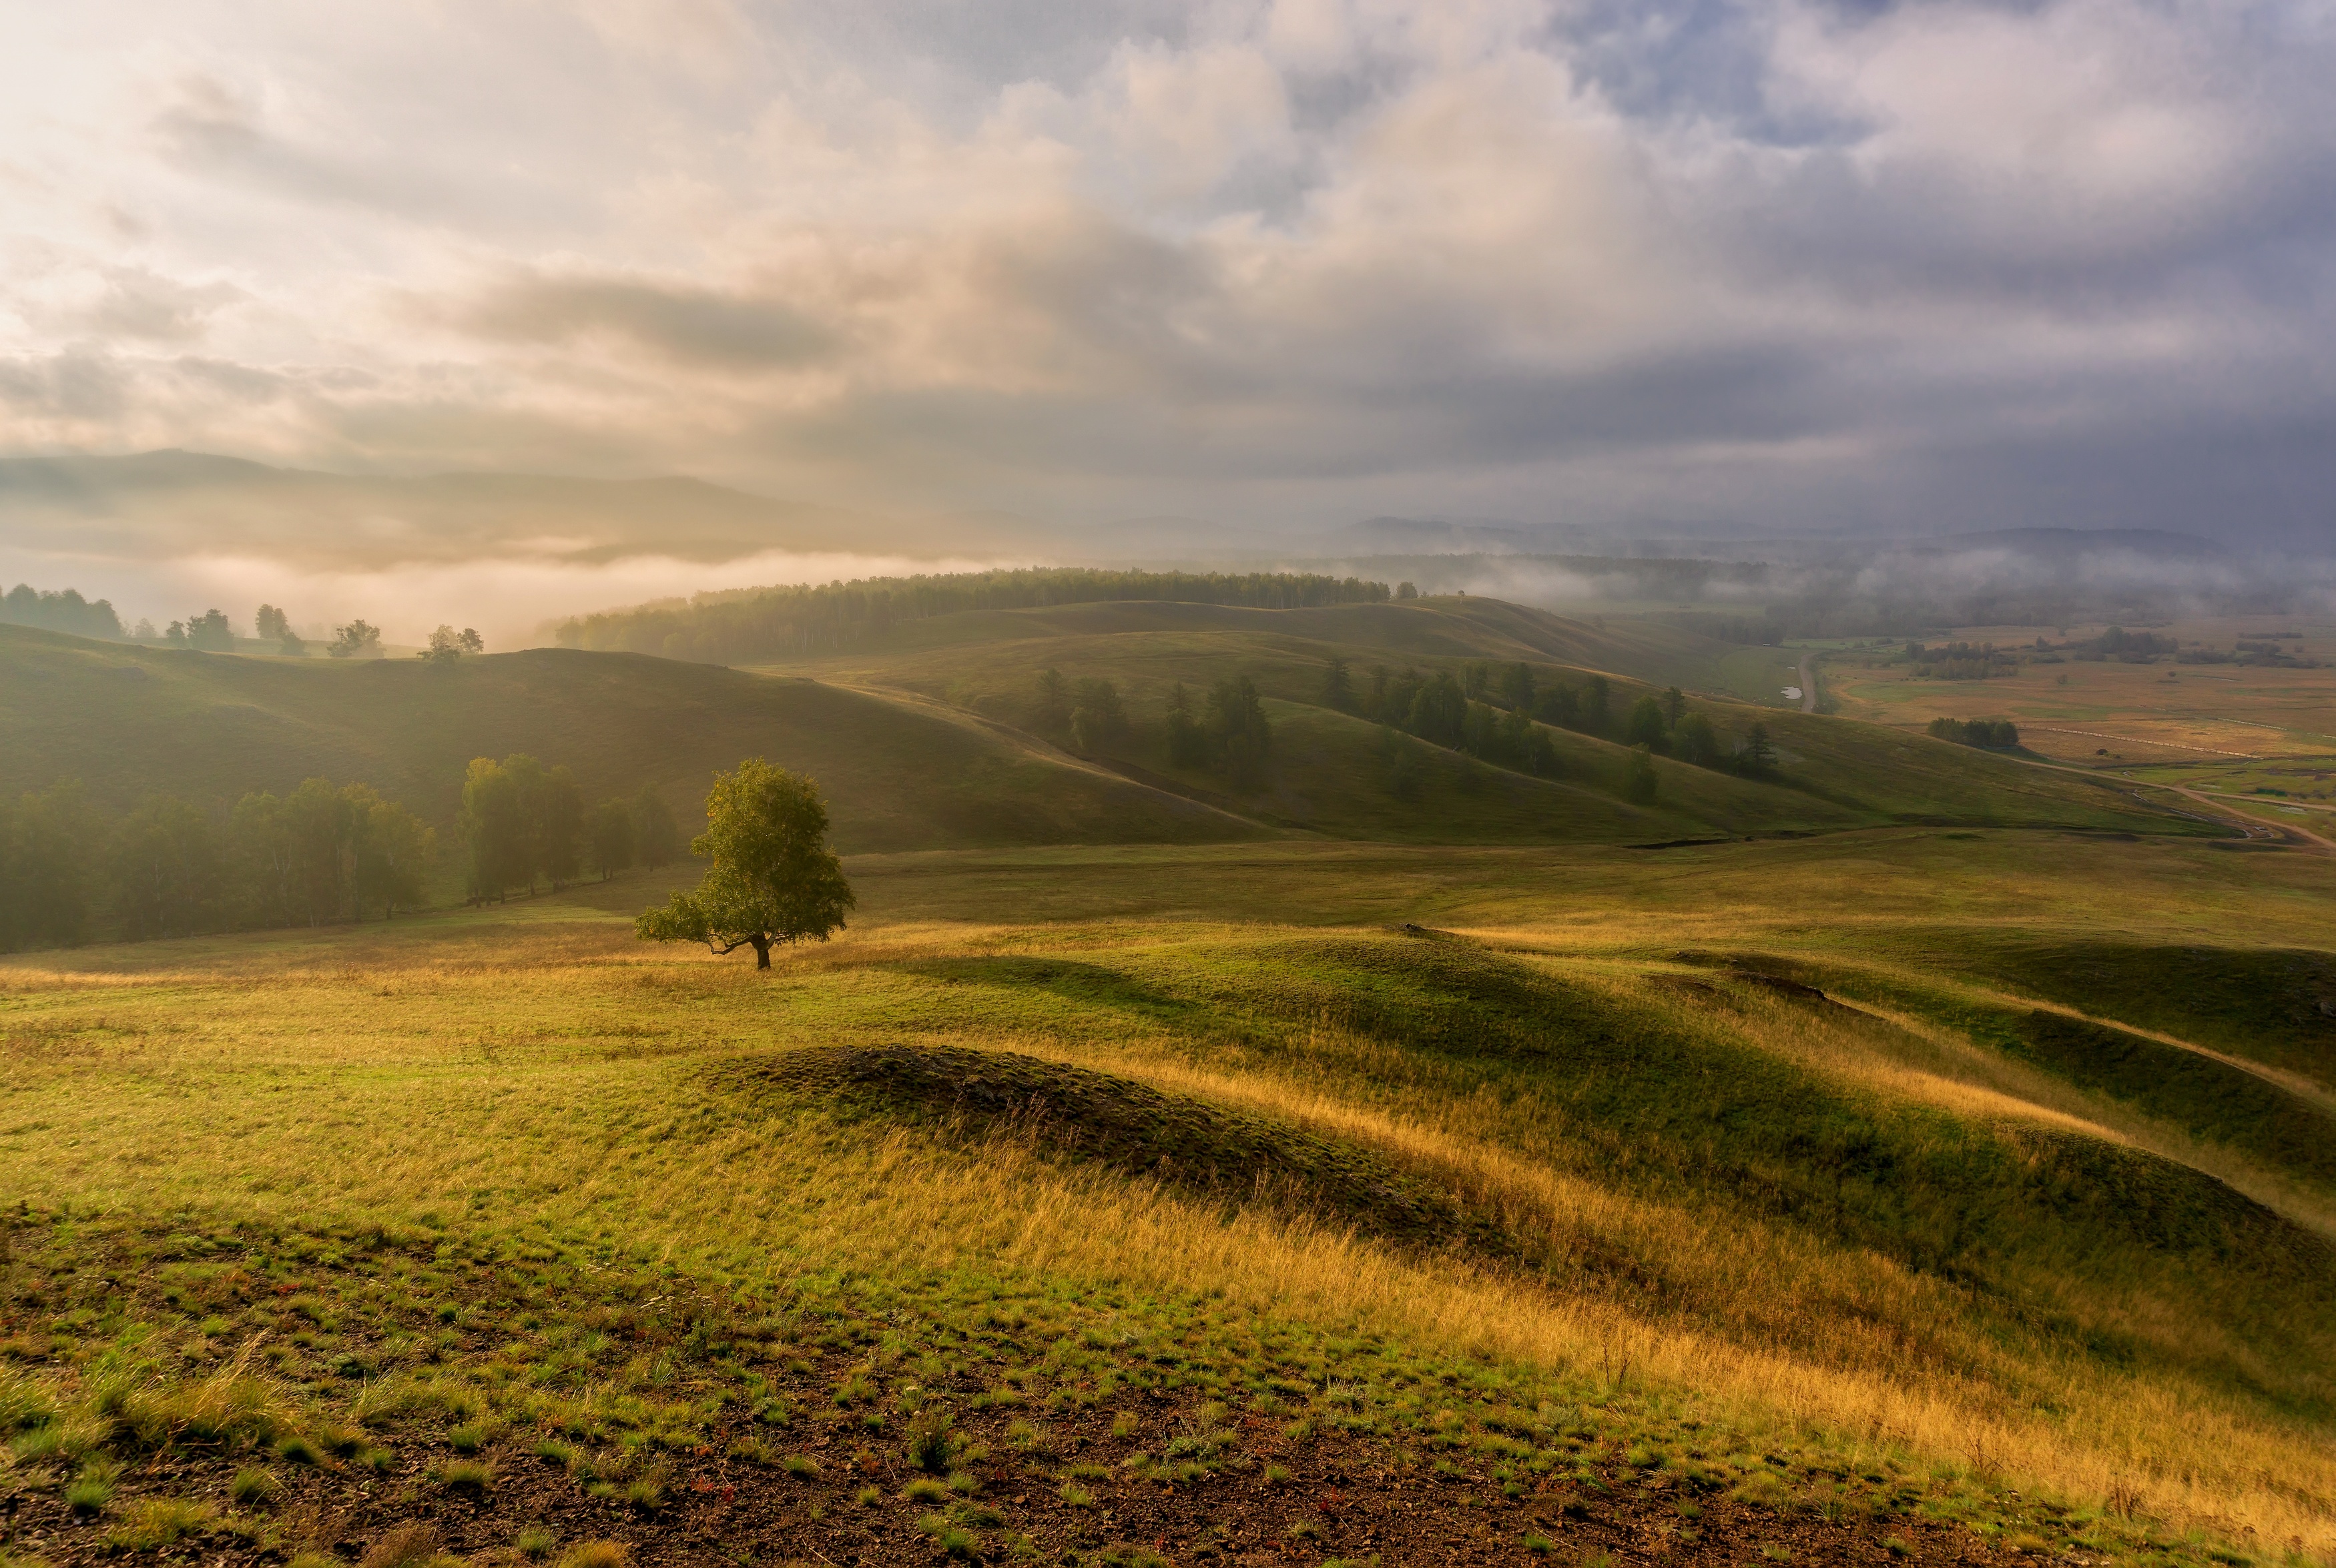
1808, 685
2251, 826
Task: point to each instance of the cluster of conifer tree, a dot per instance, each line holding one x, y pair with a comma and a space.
1226, 734
523, 824
1496, 712
781, 621
1984, 732
320, 854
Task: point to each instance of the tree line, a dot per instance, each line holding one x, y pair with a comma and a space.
1226, 734
523, 824
322, 853
1496, 713
318, 855
1989, 733
743, 625
25, 606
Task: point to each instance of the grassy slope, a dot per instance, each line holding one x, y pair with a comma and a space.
1331, 773
1934, 1271
127, 721
918, 744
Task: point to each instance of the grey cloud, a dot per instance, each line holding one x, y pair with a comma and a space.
681, 322
1694, 258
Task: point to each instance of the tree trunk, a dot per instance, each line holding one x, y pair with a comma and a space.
762, 952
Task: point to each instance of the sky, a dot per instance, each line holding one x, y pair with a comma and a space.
1848, 265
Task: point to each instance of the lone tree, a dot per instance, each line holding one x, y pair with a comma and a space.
772, 880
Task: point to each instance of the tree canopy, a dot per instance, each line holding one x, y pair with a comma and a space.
772, 880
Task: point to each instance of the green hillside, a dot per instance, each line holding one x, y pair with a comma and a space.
131, 722
1334, 773
926, 736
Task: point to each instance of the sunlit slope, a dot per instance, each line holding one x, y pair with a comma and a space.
1333, 773
1784, 1254
128, 722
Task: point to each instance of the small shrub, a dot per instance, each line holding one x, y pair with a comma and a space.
558, 1452
646, 1495
294, 1449
253, 1487
964, 1482
868, 1496
466, 1475
1777, 1554
1539, 1544
931, 1442
1896, 1545
149, 1526
1124, 1424
466, 1439
753, 1451
925, 1489
1077, 1496
89, 1495
803, 1466
535, 1543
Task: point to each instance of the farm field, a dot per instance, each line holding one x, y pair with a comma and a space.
1860, 1198
2230, 729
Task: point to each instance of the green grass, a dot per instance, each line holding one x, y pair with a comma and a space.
1056, 1136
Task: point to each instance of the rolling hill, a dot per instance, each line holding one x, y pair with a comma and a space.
128, 722
926, 737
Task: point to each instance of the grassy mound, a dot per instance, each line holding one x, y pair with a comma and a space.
1179, 1140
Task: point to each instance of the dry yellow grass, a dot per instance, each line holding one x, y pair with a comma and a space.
539, 1074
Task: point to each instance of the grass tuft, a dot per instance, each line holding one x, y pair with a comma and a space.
597, 1555
466, 1475
151, 1526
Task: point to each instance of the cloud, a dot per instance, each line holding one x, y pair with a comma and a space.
677, 320
1920, 266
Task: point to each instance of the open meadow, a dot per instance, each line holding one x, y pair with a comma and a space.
1885, 1195
2262, 735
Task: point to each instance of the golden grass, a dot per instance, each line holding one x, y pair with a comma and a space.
533, 1073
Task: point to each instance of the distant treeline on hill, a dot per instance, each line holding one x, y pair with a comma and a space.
743, 625
25, 606
321, 855
1981, 732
